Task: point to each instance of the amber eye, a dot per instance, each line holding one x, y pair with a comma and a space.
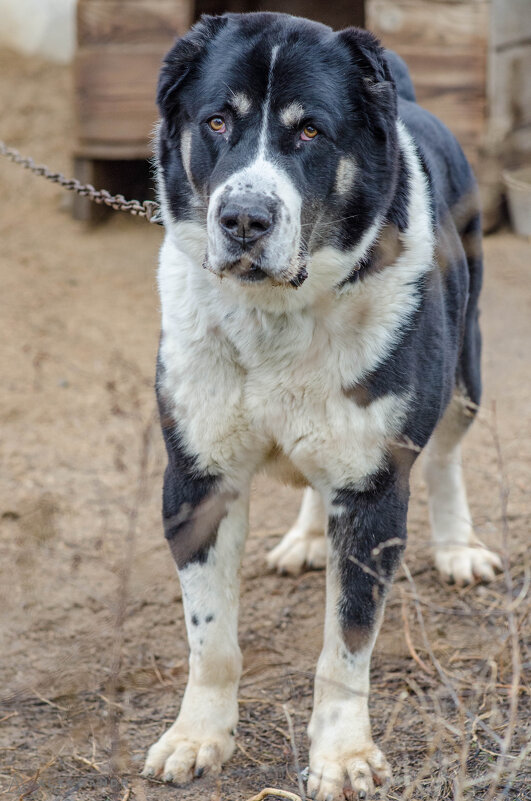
309, 132
217, 124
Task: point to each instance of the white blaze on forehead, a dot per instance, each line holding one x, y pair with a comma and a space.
346, 172
267, 104
292, 115
280, 254
241, 103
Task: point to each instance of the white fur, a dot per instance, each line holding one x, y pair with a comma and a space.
459, 556
201, 736
262, 145
264, 179
305, 543
346, 172
340, 733
186, 154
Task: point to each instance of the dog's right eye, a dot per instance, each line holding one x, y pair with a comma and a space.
217, 124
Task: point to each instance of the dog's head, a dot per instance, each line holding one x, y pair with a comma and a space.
279, 137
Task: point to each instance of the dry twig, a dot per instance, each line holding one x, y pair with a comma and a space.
294, 749
407, 634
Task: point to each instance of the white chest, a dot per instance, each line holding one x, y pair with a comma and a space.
245, 384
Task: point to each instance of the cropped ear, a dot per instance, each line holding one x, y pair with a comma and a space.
181, 61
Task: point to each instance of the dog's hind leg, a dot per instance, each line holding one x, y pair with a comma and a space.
459, 556
305, 543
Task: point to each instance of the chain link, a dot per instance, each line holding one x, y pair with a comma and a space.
148, 208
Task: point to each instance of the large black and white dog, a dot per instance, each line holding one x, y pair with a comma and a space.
319, 282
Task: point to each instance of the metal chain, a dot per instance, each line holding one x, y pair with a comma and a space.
148, 208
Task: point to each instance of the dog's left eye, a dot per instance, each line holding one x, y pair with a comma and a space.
309, 132
217, 124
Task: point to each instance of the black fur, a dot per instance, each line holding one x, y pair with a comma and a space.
367, 539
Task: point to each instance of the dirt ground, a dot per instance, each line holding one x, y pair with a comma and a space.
93, 651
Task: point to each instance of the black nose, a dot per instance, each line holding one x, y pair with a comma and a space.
245, 221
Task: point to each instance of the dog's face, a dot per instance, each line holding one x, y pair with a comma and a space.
279, 136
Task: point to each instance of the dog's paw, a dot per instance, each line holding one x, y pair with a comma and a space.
298, 549
178, 758
465, 564
348, 775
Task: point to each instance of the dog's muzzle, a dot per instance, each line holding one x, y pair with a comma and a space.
253, 226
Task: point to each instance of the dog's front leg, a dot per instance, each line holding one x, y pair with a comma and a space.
366, 535
206, 527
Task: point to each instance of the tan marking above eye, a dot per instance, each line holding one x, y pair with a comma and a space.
291, 116
240, 103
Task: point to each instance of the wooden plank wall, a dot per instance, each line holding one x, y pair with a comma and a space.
445, 45
121, 44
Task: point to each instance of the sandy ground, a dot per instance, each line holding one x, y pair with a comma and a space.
93, 653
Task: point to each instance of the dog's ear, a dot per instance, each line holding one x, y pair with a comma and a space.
181, 61
367, 54
370, 63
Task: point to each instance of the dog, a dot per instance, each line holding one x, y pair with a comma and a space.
319, 284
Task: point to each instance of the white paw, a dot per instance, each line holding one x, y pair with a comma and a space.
178, 757
334, 777
465, 564
296, 550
